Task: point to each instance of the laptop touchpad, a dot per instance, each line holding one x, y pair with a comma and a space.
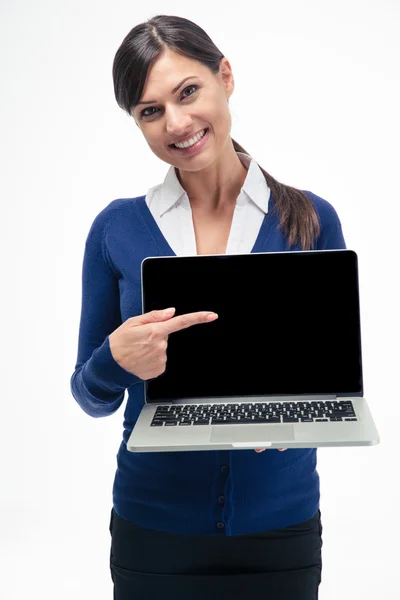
251, 433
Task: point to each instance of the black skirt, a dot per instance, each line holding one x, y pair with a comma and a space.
283, 564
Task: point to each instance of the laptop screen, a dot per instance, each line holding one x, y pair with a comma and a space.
288, 324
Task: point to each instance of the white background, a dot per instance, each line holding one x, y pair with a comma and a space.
316, 103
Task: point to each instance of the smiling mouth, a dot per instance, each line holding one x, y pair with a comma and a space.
205, 130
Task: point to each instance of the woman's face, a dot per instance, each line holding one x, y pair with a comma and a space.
166, 113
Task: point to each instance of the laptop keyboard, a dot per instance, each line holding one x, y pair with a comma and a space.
259, 412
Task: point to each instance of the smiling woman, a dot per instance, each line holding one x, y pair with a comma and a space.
150, 68
212, 523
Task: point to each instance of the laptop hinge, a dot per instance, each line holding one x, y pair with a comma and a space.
250, 399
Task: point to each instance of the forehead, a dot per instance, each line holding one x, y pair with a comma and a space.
169, 69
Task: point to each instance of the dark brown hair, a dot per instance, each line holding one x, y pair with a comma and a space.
142, 46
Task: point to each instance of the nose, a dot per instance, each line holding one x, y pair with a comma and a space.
177, 123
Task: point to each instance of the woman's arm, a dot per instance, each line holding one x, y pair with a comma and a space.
98, 383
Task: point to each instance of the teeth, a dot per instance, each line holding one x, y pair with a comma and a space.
192, 141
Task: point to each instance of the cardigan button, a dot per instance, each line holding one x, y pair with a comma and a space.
220, 525
221, 499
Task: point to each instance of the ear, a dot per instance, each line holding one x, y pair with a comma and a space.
226, 75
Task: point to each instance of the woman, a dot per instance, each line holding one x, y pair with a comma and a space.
213, 524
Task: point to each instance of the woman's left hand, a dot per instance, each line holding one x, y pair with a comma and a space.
262, 449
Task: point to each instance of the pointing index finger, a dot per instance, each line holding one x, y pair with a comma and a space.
187, 320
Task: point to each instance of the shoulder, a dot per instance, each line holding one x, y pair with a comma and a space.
118, 207
116, 210
331, 234
326, 212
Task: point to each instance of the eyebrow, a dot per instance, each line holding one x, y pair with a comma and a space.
172, 92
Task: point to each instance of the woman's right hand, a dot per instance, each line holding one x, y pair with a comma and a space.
140, 344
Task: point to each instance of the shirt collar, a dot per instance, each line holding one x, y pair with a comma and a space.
255, 188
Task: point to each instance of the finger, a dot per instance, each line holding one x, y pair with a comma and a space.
184, 321
153, 316
262, 449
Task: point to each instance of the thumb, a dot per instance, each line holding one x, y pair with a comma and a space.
154, 316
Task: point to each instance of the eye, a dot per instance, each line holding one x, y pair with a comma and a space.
188, 88
145, 114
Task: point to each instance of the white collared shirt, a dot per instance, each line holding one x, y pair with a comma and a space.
169, 204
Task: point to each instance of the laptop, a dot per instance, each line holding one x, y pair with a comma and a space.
281, 367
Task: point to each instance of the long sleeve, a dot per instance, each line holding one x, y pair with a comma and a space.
98, 383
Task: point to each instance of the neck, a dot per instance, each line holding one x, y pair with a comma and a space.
218, 185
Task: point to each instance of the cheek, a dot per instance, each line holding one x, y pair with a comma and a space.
155, 143
220, 116
159, 149
221, 124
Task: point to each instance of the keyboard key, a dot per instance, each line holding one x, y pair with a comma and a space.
260, 412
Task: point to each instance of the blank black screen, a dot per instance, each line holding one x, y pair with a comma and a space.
288, 324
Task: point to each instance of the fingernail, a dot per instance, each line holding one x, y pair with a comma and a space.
212, 317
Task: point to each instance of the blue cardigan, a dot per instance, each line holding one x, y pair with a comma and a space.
221, 492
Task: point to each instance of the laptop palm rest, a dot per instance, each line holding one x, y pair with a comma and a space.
253, 434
